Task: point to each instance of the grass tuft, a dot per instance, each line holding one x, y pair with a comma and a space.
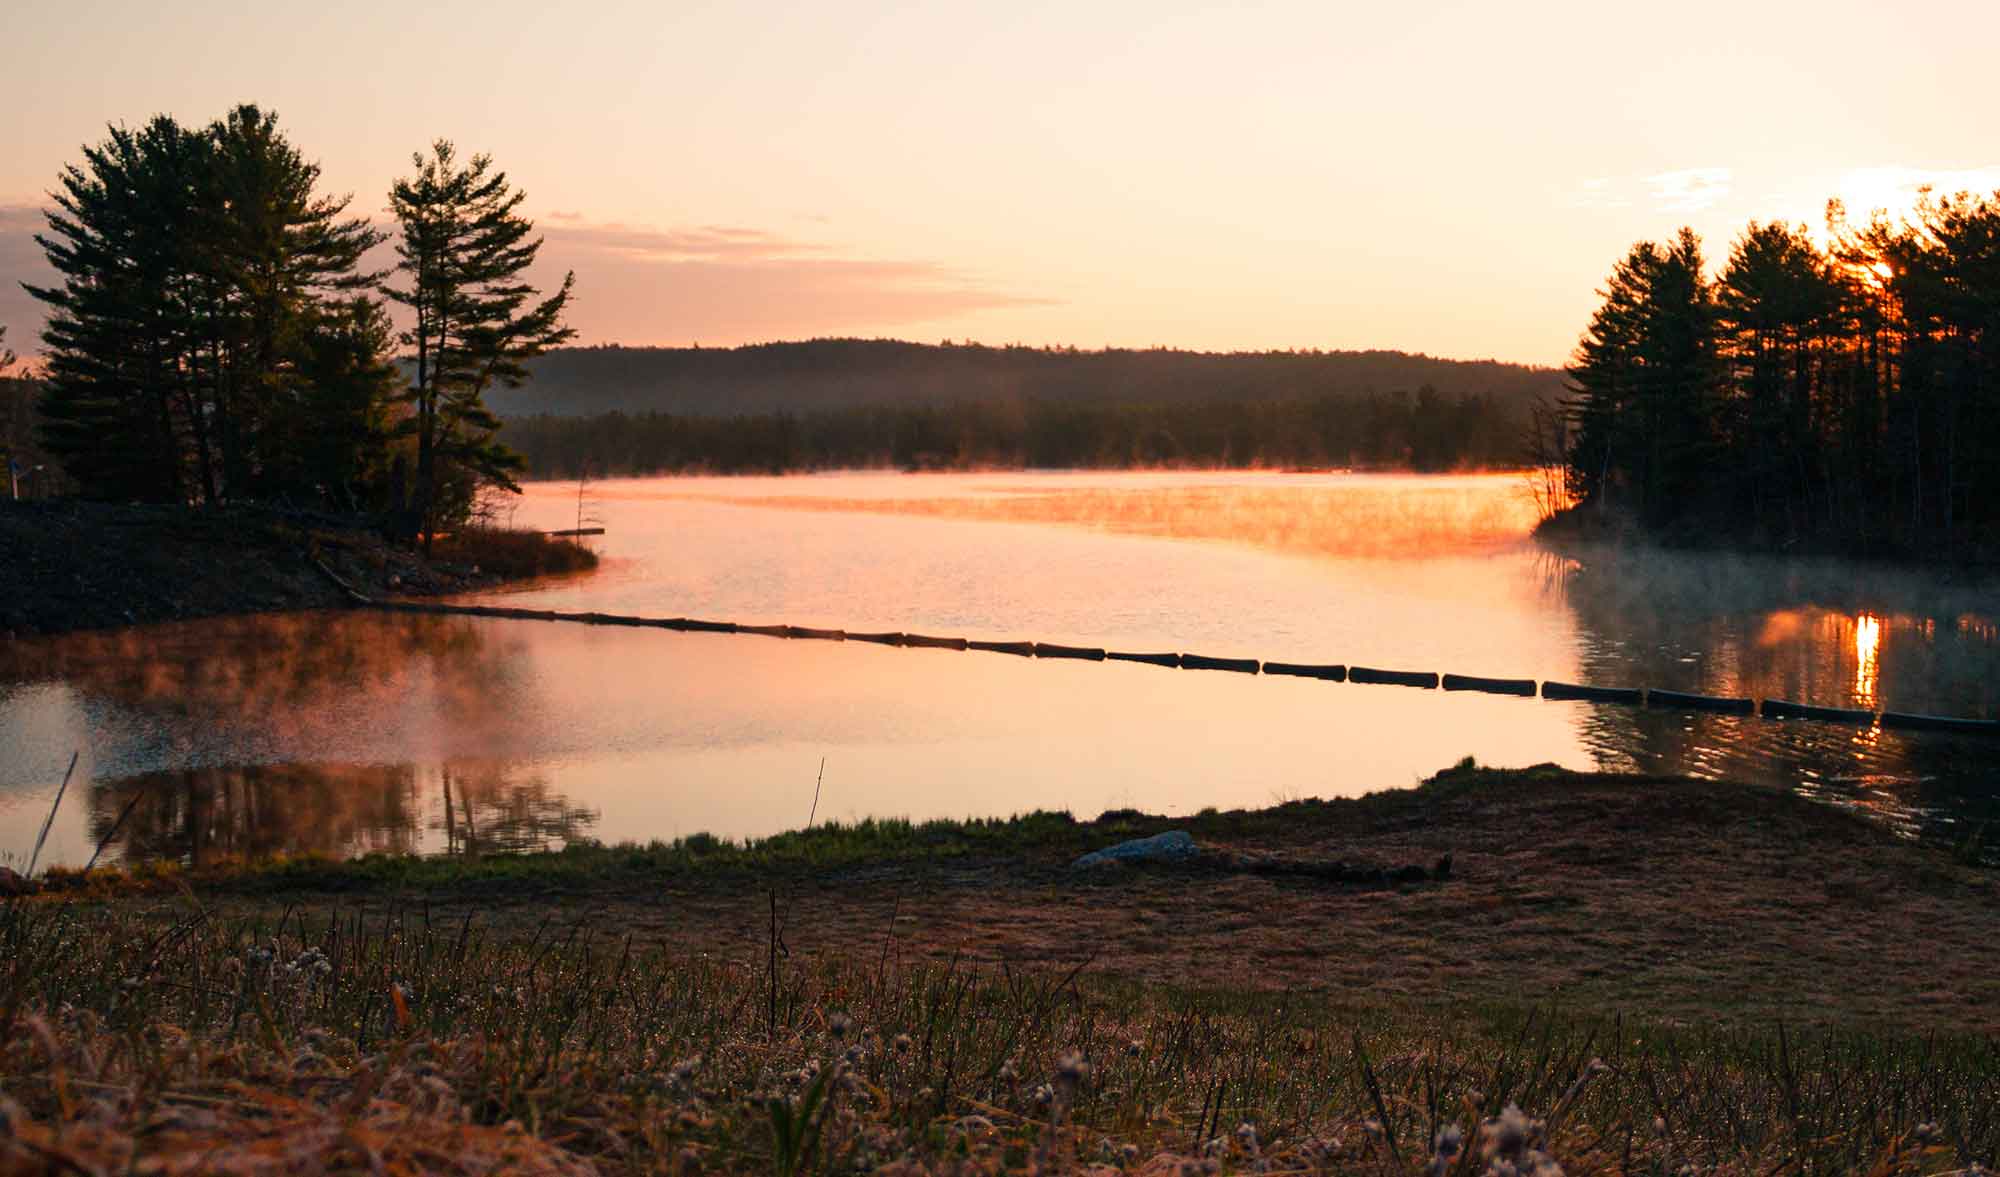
513, 553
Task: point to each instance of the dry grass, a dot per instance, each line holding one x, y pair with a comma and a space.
512, 553
181, 1042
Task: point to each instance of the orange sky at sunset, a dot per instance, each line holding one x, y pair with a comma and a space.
1452, 178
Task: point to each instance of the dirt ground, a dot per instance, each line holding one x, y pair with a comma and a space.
1686, 901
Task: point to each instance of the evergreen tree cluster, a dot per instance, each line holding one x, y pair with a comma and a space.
1844, 396
1427, 431
216, 337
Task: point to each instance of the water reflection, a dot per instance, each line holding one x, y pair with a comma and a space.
202, 815
1867, 658
346, 733
275, 670
1825, 633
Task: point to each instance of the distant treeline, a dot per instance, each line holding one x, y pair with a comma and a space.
1839, 396
1424, 431
824, 374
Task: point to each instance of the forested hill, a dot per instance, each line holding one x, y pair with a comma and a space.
829, 374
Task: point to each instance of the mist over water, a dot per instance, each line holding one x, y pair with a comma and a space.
351, 732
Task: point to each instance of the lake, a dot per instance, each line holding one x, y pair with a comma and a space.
345, 733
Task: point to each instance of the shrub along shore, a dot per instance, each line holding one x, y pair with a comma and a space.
1653, 973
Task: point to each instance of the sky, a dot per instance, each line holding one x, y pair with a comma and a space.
1440, 177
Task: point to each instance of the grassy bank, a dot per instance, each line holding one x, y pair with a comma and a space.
1658, 974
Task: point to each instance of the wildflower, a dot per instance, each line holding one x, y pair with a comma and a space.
1444, 1149
1506, 1134
901, 1043
838, 1027
1070, 1070
1929, 1133
1007, 1073
854, 1054
1043, 1095
1449, 1139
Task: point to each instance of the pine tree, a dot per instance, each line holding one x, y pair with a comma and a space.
1604, 375
281, 261
1779, 312
120, 410
464, 248
1646, 386
333, 442
193, 263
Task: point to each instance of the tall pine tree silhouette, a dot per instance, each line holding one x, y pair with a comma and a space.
463, 250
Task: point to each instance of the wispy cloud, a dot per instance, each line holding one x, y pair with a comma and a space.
1689, 189
635, 284
706, 242
1685, 190
731, 283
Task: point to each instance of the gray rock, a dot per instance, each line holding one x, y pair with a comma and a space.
1172, 846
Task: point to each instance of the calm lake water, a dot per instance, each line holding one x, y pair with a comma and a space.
350, 732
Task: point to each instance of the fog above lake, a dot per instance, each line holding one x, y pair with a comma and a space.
347, 732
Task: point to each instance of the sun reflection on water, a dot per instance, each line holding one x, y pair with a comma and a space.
1867, 658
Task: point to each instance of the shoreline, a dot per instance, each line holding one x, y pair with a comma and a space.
1642, 892
72, 565
1664, 973
1582, 524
